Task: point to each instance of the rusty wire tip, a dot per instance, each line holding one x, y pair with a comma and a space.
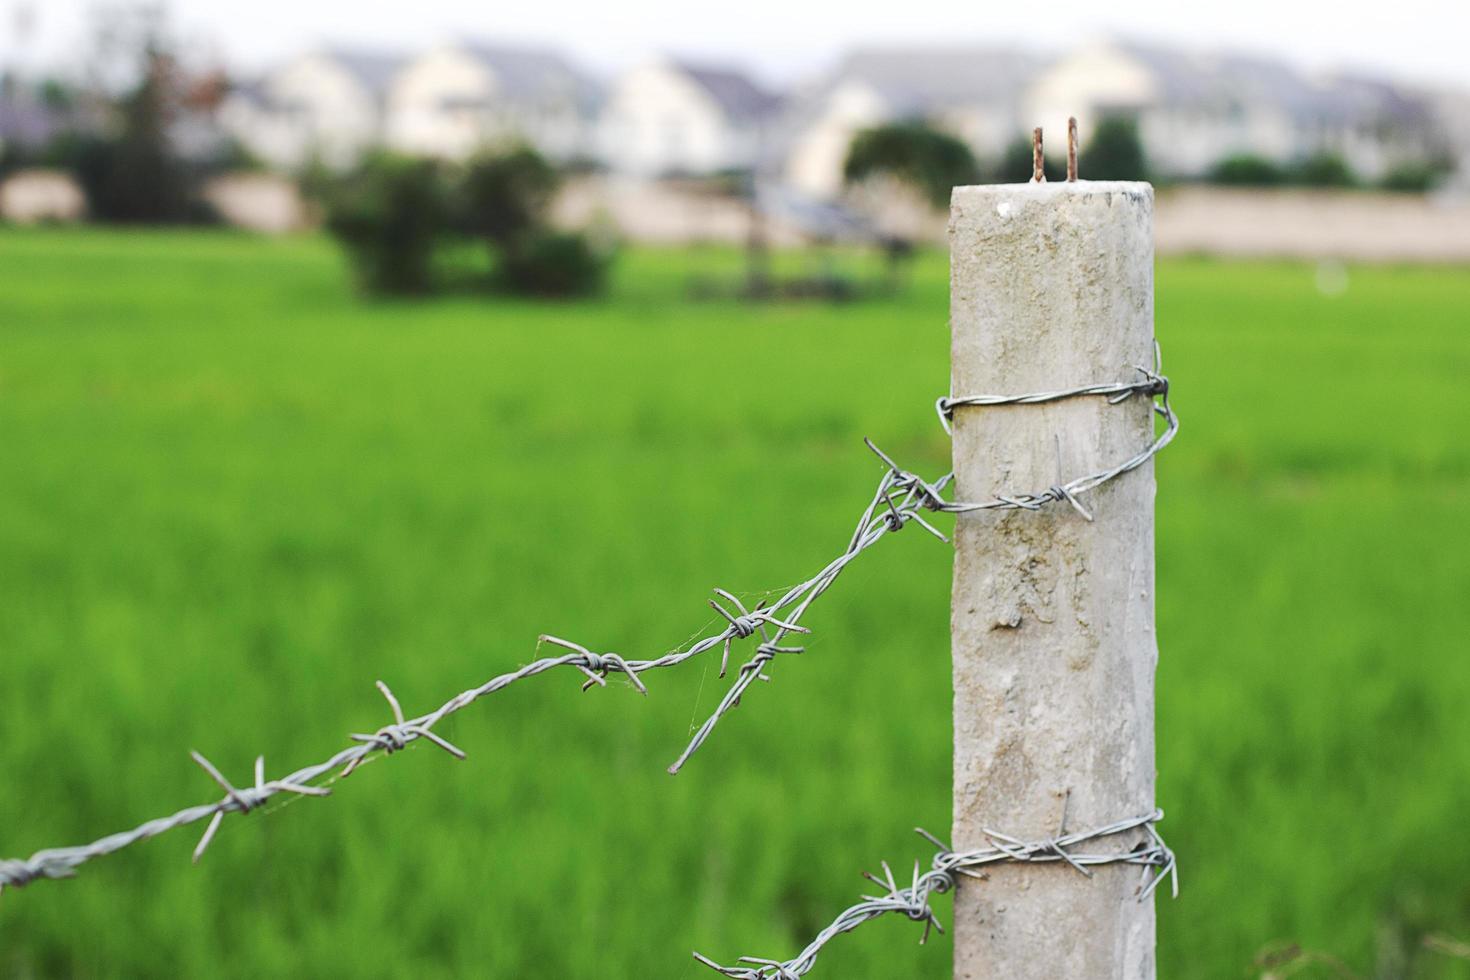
1038, 158
1071, 149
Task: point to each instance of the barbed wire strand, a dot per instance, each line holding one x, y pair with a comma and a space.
891, 508
897, 501
1151, 853
1152, 385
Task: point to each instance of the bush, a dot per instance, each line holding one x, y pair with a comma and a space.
1247, 170
503, 197
399, 218
553, 264
1414, 178
1114, 152
1323, 170
388, 216
932, 161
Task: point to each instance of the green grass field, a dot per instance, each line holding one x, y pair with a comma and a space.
234, 496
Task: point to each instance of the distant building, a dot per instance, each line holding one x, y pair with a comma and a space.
27, 125
1195, 109
1452, 122
673, 117
327, 106
972, 93
33, 116
462, 96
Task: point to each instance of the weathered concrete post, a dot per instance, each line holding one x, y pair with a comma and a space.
1053, 617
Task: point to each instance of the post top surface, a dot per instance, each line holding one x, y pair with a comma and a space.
1053, 188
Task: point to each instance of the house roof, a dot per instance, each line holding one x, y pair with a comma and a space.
737, 95
529, 74
374, 70
1192, 78
27, 124
923, 79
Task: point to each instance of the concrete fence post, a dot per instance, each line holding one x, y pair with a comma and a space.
1053, 616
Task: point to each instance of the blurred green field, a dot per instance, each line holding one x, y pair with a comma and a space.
234, 496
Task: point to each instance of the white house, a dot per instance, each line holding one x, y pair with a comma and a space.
972, 93
1193, 109
673, 117
1452, 121
462, 96
326, 105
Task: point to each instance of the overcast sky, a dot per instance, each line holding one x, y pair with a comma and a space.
1422, 40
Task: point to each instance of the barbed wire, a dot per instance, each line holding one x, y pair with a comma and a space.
1153, 385
895, 503
898, 500
1151, 853
904, 494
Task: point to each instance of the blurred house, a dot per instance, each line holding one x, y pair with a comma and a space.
1195, 109
1452, 123
33, 115
453, 100
672, 117
27, 125
326, 106
973, 93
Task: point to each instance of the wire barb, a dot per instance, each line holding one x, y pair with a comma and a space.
391, 738
243, 801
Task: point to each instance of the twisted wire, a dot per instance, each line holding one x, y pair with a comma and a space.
1150, 852
1153, 385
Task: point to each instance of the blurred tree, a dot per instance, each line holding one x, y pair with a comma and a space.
389, 215
921, 158
56, 94
931, 161
1247, 170
1114, 152
1418, 177
133, 175
504, 196
1324, 170
125, 159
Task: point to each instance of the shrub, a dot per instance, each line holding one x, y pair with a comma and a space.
553, 264
388, 215
1114, 152
932, 161
1414, 178
1247, 170
1323, 170
504, 196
